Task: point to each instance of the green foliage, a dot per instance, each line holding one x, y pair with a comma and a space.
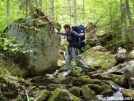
8, 45
109, 10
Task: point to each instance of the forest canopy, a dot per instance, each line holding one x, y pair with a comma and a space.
114, 16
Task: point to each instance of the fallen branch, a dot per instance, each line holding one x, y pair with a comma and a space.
27, 95
113, 69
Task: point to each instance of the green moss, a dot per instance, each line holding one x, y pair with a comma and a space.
107, 92
75, 91
99, 58
88, 94
62, 95
119, 79
19, 99
82, 81
42, 94
66, 80
105, 86
95, 87
2, 98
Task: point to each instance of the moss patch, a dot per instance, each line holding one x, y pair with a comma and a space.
42, 94
88, 94
75, 91
97, 57
62, 95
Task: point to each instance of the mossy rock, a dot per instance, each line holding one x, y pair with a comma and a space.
62, 95
105, 86
37, 36
83, 81
99, 58
88, 94
119, 79
12, 69
95, 87
42, 94
75, 91
112, 83
107, 92
128, 93
102, 89
66, 80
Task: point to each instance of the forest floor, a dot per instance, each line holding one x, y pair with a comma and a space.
105, 81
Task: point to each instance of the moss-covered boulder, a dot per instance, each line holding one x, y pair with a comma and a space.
107, 92
42, 95
82, 81
95, 87
8, 68
66, 80
88, 94
99, 58
102, 89
62, 95
128, 93
75, 91
120, 80
41, 44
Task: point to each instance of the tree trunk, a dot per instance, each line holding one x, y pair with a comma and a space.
69, 8
123, 19
41, 4
52, 8
31, 6
130, 19
75, 13
83, 10
26, 7
8, 11
111, 20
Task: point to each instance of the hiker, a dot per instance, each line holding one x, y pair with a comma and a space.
73, 52
120, 54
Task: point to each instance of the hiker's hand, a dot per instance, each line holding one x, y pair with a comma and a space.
81, 34
55, 30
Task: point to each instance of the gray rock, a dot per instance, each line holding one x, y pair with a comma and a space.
40, 38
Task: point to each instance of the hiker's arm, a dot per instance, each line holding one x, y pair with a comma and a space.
77, 34
56, 31
62, 33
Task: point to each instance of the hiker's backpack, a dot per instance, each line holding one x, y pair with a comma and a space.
121, 53
80, 40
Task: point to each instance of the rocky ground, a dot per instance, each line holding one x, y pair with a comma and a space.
103, 80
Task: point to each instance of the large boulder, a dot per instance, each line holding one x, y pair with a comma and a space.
98, 57
36, 33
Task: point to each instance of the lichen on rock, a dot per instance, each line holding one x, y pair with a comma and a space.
36, 33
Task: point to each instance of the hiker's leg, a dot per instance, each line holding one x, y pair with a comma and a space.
68, 63
75, 56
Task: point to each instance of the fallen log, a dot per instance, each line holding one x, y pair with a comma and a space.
113, 69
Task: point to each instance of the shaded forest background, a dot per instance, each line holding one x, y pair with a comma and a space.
114, 16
